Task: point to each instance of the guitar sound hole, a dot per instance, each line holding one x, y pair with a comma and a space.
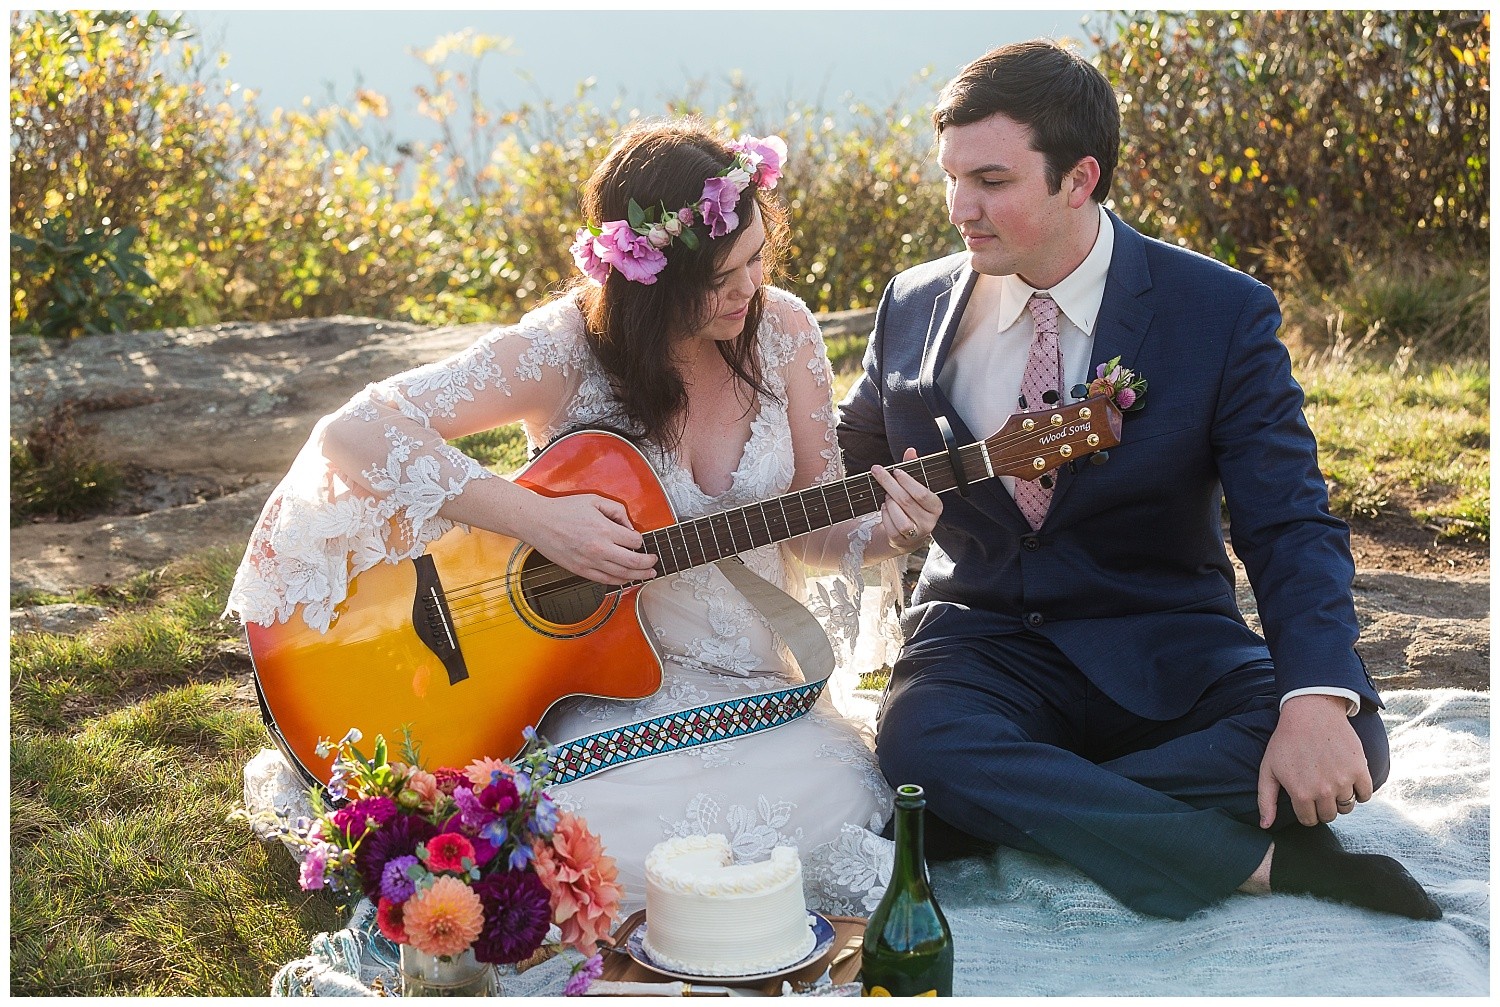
556, 595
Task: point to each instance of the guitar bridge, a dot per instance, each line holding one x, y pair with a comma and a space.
433, 621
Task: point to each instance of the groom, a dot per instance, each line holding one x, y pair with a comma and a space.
1077, 679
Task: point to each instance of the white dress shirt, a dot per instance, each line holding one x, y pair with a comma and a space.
983, 371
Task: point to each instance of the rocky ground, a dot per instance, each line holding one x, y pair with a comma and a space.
206, 420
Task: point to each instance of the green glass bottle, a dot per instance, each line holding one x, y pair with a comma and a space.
908, 948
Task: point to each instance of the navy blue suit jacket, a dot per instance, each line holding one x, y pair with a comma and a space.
1128, 575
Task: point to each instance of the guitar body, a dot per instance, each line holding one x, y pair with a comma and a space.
507, 634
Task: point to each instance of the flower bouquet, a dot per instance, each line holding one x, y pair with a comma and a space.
473, 862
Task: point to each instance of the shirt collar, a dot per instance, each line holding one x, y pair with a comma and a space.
1078, 295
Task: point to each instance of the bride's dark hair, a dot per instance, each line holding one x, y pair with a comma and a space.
631, 326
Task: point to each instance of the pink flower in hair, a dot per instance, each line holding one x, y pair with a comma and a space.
632, 254
766, 155
717, 206
586, 258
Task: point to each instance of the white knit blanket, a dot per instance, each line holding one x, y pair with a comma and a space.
1025, 925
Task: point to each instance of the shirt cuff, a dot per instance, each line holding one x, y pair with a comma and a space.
1326, 690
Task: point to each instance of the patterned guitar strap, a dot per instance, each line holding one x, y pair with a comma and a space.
713, 722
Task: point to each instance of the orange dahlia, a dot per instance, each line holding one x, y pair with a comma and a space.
480, 770
443, 919
581, 880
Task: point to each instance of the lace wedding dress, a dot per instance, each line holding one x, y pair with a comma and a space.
812, 783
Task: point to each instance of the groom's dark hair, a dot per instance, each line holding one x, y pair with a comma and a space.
1064, 100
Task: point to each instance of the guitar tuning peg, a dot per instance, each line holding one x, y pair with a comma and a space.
1099, 458
1079, 392
1046, 481
1050, 397
1021, 401
1073, 466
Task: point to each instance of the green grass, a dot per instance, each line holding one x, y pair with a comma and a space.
127, 752
1404, 438
502, 449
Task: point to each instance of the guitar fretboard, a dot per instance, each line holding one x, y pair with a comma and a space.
707, 539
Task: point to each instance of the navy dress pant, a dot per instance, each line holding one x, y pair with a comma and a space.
1014, 746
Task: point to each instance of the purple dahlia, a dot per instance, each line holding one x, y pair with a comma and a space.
396, 838
517, 914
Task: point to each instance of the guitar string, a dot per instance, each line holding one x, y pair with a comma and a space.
478, 593
547, 582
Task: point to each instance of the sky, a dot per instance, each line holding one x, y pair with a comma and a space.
645, 56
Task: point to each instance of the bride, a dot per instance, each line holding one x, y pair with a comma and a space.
672, 336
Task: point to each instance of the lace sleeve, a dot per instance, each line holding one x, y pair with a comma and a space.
370, 482
864, 636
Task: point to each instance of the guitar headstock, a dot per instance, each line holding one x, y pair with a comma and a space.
1036, 442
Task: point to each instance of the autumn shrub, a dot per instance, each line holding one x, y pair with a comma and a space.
1278, 141
148, 191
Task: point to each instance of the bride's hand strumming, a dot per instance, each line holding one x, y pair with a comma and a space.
591, 536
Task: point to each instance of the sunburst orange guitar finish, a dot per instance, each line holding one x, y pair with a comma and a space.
475, 640
372, 670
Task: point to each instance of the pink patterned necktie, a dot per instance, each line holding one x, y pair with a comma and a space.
1043, 375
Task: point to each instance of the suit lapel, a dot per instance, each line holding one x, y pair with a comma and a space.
1122, 323
947, 311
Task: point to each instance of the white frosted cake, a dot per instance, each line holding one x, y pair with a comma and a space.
706, 915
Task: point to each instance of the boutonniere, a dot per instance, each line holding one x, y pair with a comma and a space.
1126, 387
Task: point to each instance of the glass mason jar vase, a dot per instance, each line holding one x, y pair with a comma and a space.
462, 975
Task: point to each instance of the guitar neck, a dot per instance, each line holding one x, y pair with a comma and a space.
707, 539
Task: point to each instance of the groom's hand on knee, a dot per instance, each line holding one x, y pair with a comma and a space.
1317, 758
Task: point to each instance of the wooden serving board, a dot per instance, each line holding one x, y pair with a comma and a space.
841, 959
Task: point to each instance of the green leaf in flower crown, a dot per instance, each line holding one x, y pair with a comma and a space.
636, 214
688, 238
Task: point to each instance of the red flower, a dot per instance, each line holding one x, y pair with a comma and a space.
388, 918
447, 779
447, 852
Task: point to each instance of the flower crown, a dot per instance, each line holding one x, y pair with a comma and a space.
636, 247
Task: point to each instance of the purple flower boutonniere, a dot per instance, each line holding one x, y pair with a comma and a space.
1124, 386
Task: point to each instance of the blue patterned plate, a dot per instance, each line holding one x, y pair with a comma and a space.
822, 941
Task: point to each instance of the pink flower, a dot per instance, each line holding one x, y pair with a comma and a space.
446, 852
313, 866
767, 156
586, 257
582, 881
686, 216
480, 771
1126, 398
442, 919
424, 785
717, 206
629, 252
658, 236
388, 919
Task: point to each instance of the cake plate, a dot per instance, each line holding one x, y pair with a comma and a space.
822, 941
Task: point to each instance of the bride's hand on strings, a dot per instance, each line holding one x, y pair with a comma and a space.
910, 511
591, 536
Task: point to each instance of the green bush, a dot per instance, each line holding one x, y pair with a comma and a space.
1277, 140
1299, 144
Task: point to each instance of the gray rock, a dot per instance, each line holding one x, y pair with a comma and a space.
206, 411
65, 619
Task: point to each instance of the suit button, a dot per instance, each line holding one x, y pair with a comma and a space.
1030, 543
1034, 619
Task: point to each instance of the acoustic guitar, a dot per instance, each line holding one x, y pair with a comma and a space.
474, 640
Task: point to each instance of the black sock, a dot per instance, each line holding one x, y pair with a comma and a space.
1310, 861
